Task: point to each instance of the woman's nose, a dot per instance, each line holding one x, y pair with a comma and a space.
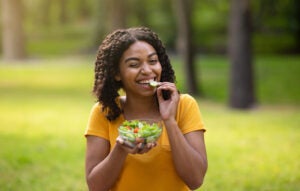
146, 68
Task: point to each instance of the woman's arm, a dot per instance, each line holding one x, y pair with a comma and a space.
188, 151
189, 155
103, 167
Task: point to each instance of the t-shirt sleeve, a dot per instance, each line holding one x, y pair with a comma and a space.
189, 117
97, 123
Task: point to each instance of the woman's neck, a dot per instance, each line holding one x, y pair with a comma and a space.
139, 108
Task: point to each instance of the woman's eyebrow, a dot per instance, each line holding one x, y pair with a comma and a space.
137, 59
152, 54
131, 58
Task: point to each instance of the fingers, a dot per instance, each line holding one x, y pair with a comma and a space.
171, 88
144, 148
166, 86
140, 148
120, 140
151, 145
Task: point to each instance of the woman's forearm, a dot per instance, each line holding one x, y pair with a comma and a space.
104, 175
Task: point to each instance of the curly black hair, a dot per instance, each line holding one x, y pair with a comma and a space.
106, 88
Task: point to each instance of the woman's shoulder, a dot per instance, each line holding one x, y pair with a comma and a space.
187, 98
96, 106
187, 101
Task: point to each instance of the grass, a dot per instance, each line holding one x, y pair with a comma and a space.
43, 115
44, 106
252, 150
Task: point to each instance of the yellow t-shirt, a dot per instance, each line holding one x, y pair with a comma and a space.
153, 171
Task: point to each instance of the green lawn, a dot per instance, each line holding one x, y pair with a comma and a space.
44, 106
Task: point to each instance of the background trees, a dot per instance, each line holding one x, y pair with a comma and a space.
185, 45
13, 37
275, 22
60, 27
241, 93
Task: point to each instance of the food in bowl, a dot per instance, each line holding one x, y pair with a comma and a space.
134, 132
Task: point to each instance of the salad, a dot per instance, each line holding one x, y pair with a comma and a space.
139, 131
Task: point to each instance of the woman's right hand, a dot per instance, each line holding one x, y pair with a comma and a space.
168, 108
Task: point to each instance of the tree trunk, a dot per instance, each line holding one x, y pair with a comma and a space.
110, 15
83, 9
142, 15
241, 93
13, 39
297, 20
45, 7
185, 43
63, 15
117, 14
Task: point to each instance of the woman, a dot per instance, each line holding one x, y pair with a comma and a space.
129, 59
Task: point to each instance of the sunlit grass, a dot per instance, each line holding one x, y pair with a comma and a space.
44, 106
252, 150
43, 114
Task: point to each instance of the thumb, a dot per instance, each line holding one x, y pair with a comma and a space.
120, 140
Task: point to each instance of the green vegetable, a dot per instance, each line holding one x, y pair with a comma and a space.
135, 131
153, 83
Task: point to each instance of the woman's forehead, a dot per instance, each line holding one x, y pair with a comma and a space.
139, 48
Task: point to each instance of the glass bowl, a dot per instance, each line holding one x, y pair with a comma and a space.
138, 131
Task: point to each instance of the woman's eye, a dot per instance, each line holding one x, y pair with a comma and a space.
153, 61
134, 65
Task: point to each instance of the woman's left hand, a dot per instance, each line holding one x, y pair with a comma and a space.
168, 108
135, 149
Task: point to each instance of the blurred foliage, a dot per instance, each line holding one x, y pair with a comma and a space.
275, 24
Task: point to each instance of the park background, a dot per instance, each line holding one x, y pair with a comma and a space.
46, 76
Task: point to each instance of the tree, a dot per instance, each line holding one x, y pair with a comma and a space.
185, 43
117, 14
63, 15
83, 9
110, 15
241, 93
296, 16
45, 7
13, 39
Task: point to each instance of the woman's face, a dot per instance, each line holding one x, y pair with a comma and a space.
139, 64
